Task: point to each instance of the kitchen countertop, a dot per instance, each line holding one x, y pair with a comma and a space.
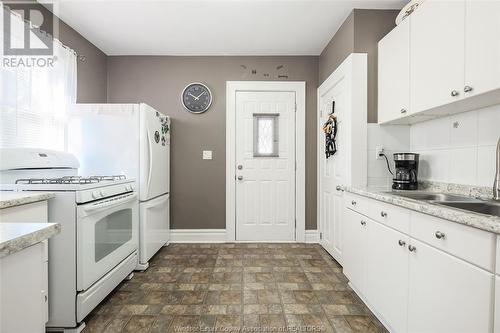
485, 222
13, 198
15, 237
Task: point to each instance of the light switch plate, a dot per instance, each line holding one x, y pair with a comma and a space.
207, 154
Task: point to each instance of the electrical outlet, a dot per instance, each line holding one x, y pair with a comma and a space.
379, 150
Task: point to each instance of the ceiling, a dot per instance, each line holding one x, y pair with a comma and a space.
210, 27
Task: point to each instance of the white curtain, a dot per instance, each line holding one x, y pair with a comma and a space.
34, 100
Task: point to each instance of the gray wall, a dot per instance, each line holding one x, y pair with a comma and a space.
360, 33
198, 186
339, 47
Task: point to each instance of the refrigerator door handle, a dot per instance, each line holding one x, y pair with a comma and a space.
150, 160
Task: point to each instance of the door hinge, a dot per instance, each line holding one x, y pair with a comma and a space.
320, 236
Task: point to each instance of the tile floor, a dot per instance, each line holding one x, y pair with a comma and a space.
231, 287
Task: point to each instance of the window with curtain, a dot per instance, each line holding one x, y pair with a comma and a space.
33, 100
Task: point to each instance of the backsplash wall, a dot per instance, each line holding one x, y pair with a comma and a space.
458, 149
394, 139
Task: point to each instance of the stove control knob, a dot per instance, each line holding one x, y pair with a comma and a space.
102, 193
95, 195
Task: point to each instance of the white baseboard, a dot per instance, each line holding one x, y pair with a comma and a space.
312, 236
198, 235
217, 236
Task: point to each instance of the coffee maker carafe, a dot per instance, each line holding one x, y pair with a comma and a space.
405, 175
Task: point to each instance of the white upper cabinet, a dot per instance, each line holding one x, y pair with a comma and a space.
394, 73
453, 58
437, 54
482, 46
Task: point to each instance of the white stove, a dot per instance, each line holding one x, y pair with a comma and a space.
87, 188
98, 243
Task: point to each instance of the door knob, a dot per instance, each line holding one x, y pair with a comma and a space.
403, 111
240, 177
467, 89
383, 214
412, 248
454, 93
338, 188
401, 242
240, 166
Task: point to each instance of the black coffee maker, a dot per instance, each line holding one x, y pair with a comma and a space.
405, 176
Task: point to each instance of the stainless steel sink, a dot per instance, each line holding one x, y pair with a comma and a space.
428, 196
488, 208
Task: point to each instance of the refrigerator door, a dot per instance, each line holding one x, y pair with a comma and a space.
154, 177
154, 226
105, 138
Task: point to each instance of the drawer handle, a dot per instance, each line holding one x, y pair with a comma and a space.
412, 248
363, 223
401, 242
383, 214
353, 203
440, 235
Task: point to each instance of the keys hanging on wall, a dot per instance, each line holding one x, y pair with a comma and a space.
330, 130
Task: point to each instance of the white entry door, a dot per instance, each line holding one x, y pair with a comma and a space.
332, 169
265, 165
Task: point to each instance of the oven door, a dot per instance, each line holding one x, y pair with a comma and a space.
107, 232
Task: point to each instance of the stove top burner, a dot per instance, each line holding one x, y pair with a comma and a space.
70, 180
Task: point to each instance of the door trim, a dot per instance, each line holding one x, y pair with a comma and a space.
299, 88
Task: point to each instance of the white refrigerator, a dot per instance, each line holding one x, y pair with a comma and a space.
131, 140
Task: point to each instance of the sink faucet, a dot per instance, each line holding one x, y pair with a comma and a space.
496, 184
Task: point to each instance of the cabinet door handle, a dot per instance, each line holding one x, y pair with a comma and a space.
339, 188
240, 177
454, 93
467, 89
412, 248
383, 214
440, 235
353, 203
403, 111
401, 242
363, 223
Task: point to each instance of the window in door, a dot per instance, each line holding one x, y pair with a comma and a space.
265, 135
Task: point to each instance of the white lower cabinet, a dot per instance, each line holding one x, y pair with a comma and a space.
387, 274
23, 286
413, 286
497, 306
355, 246
447, 294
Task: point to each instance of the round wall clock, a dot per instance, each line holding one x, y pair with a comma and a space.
196, 97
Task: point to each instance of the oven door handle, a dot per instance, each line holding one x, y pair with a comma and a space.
108, 203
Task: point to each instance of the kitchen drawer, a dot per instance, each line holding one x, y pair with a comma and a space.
470, 244
390, 215
358, 203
